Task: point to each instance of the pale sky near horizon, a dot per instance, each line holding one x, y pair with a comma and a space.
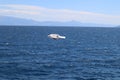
87, 11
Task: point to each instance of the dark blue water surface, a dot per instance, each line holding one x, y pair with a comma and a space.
26, 53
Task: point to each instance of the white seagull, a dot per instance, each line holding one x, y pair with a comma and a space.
56, 36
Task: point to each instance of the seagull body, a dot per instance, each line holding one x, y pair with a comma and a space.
56, 36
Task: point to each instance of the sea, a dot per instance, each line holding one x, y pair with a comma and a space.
87, 53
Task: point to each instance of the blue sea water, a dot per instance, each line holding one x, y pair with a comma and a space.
26, 53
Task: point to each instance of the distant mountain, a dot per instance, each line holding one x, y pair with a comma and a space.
75, 23
6, 20
118, 26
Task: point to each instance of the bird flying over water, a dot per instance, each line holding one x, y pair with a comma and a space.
56, 36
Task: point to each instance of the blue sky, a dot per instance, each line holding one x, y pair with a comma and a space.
89, 11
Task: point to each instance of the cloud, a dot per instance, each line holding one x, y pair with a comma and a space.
45, 14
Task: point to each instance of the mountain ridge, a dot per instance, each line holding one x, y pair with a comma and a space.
8, 20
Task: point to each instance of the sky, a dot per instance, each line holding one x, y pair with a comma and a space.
86, 11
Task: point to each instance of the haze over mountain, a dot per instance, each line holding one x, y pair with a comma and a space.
7, 20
